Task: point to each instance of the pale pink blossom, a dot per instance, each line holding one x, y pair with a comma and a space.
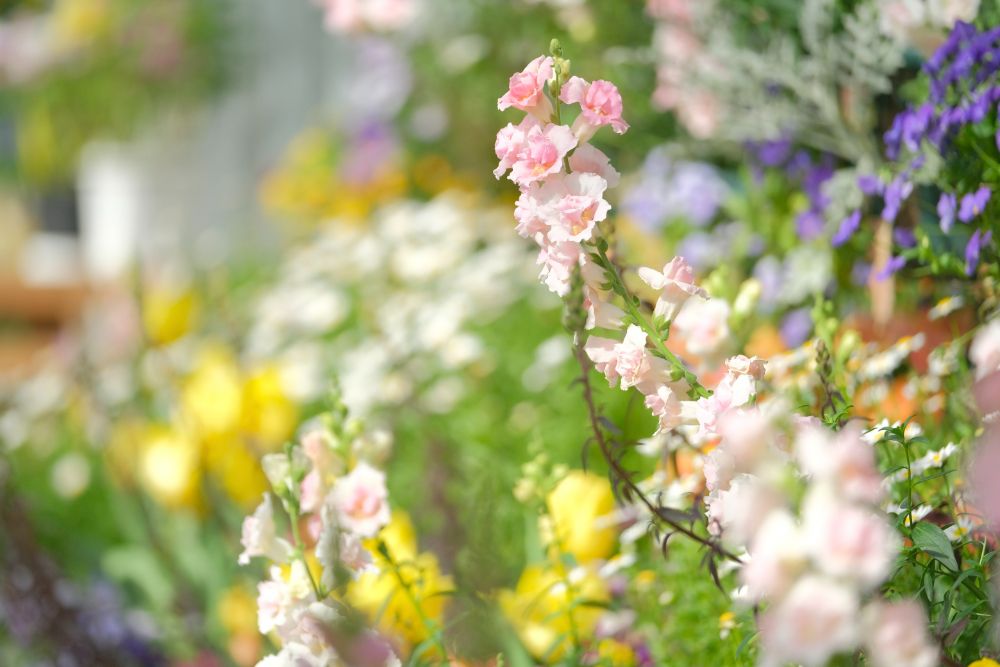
280, 600
900, 18
670, 10
626, 363
361, 500
600, 104
946, 12
558, 260
666, 407
510, 143
741, 509
587, 158
743, 365
601, 312
527, 89
542, 153
747, 434
896, 635
985, 349
700, 113
719, 468
675, 284
704, 326
777, 557
311, 492
359, 15
734, 391
338, 550
842, 459
816, 620
848, 541
579, 210
259, 537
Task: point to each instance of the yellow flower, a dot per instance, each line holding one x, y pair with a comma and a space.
985, 662
550, 606
402, 609
168, 467
78, 23
237, 610
575, 506
238, 470
615, 653
168, 313
268, 414
212, 395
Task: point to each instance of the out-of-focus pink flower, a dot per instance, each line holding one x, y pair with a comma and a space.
360, 15
311, 492
699, 112
734, 391
748, 435
704, 326
843, 459
676, 285
896, 634
719, 469
987, 392
361, 500
848, 541
259, 537
743, 365
600, 104
527, 89
986, 461
985, 349
588, 159
777, 556
670, 10
741, 509
666, 407
542, 153
816, 620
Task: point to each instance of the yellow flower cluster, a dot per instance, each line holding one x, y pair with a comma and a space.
556, 604
406, 597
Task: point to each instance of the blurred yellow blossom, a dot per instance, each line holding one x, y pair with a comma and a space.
212, 395
79, 23
168, 313
169, 466
407, 595
576, 505
551, 608
267, 414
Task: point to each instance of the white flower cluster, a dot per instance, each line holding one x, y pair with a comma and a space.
416, 280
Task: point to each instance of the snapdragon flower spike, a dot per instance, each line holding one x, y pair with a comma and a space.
600, 104
675, 283
527, 89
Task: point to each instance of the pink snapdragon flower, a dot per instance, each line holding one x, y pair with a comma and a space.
739, 511
510, 144
558, 261
896, 634
847, 541
843, 459
816, 620
600, 104
587, 158
666, 407
676, 285
361, 500
985, 349
526, 90
542, 154
359, 15
777, 557
627, 363
259, 537
704, 326
566, 207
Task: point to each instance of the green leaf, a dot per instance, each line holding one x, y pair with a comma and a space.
932, 540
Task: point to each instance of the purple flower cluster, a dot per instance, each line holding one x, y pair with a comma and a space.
668, 188
962, 75
957, 71
811, 173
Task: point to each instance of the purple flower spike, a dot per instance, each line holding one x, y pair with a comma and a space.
974, 249
892, 266
848, 226
973, 204
870, 184
905, 238
946, 211
809, 224
895, 194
